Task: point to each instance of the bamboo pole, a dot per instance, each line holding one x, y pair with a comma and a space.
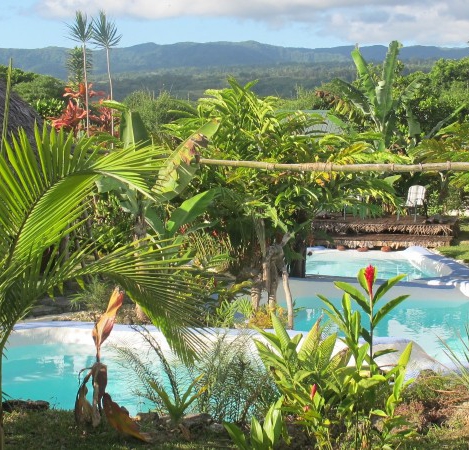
331, 167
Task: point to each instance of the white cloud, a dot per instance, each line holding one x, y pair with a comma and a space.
361, 21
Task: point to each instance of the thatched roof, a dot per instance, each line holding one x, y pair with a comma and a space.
405, 225
354, 232
20, 114
395, 241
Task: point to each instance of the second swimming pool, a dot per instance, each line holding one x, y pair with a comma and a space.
414, 262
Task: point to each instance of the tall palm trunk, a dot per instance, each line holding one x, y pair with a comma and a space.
140, 232
108, 63
87, 95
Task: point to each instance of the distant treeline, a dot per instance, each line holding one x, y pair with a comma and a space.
187, 69
279, 80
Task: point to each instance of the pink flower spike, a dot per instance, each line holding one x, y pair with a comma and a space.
370, 278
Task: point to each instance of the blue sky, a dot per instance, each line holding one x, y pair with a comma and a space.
289, 23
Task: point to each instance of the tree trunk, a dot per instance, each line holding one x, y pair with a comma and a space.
298, 266
272, 293
140, 231
288, 297
256, 292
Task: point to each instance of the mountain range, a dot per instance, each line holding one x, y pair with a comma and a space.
150, 57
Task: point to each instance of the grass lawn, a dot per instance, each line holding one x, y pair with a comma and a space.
436, 407
57, 430
460, 248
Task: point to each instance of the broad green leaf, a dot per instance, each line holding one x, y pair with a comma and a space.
190, 210
387, 308
367, 383
378, 412
282, 335
182, 164
355, 294
257, 435
386, 286
133, 131
405, 355
237, 436
152, 218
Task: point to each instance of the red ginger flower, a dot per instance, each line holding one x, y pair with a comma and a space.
314, 388
370, 278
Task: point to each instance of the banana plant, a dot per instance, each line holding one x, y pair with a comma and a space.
374, 98
179, 169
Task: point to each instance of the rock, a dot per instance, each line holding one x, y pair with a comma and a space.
196, 421
362, 249
386, 248
341, 248
217, 428
43, 311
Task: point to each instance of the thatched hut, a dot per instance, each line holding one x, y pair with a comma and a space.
20, 114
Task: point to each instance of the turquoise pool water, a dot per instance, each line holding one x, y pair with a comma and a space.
45, 361
348, 263
51, 372
430, 315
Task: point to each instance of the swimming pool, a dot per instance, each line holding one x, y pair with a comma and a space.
43, 361
437, 307
414, 262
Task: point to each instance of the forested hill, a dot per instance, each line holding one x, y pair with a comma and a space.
145, 58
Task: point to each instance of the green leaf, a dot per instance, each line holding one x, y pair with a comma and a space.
182, 165
237, 436
132, 130
367, 383
311, 341
388, 307
378, 412
355, 294
405, 355
281, 333
190, 210
388, 284
273, 425
107, 184
362, 352
153, 219
257, 434
386, 351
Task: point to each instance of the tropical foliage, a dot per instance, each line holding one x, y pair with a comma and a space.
375, 99
45, 201
338, 395
257, 208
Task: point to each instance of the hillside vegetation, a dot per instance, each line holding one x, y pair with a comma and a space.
187, 69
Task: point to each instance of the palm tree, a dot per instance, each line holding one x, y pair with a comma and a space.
105, 36
43, 196
82, 31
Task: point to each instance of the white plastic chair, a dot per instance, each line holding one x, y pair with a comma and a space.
416, 199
